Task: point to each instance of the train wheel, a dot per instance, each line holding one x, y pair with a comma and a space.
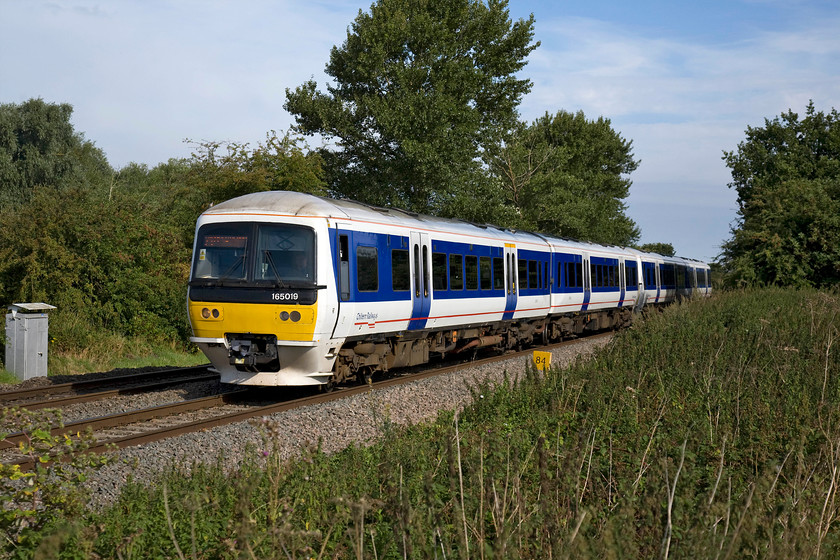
329, 386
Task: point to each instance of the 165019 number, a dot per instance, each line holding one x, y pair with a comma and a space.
286, 296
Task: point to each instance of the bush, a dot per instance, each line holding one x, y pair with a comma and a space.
49, 493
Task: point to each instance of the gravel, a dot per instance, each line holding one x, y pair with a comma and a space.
338, 424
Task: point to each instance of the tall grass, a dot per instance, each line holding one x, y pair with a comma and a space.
711, 430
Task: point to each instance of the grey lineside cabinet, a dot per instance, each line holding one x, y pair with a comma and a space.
27, 339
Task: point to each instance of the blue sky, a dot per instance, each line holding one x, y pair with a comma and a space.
682, 80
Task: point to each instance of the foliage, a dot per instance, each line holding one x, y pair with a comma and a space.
106, 264
220, 171
50, 492
664, 249
566, 175
38, 146
709, 430
421, 87
112, 249
787, 176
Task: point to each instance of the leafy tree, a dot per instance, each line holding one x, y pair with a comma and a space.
106, 263
421, 87
38, 146
566, 175
219, 171
664, 249
787, 176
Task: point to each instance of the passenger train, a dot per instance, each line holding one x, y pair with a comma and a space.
292, 289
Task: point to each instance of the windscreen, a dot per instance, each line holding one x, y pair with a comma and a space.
284, 253
221, 252
258, 253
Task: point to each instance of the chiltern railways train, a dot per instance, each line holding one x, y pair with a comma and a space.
292, 289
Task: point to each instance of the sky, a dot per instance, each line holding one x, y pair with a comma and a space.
682, 80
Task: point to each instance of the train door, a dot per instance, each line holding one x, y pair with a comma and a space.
587, 283
657, 268
622, 282
421, 280
341, 264
641, 283
510, 281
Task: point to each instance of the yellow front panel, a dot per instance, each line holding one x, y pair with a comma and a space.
258, 318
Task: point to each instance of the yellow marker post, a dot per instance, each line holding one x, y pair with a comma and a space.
542, 360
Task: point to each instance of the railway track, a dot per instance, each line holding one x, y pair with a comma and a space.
148, 425
65, 394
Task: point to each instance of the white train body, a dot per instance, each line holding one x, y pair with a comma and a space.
292, 289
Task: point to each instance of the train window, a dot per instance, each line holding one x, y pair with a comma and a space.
523, 274
285, 252
425, 271
471, 266
456, 272
578, 275
439, 271
221, 251
400, 270
614, 275
416, 270
598, 276
511, 289
367, 269
670, 276
344, 268
485, 273
631, 276
546, 280
498, 273
571, 279
533, 274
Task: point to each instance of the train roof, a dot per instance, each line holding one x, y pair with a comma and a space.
291, 203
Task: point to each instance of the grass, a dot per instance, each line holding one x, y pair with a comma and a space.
130, 353
709, 430
112, 352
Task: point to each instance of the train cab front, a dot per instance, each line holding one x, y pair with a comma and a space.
254, 303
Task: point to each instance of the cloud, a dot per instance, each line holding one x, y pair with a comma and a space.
607, 70
142, 76
682, 102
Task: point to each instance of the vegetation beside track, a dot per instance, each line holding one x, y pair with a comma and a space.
113, 351
712, 429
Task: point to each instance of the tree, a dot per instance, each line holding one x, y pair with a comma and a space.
787, 176
38, 146
106, 262
664, 249
421, 87
221, 171
566, 175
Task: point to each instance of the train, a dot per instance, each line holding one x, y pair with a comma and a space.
292, 289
